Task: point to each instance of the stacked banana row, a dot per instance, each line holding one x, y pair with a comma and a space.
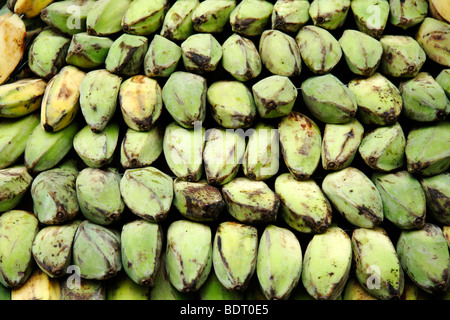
213, 150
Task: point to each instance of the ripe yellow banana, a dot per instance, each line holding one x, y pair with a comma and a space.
39, 286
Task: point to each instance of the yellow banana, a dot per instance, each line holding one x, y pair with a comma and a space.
28, 8
39, 286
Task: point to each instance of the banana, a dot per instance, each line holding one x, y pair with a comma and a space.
327, 263
105, 17
5, 293
39, 286
290, 15
60, 102
188, 254
96, 251
197, 201
301, 144
44, 150
126, 55
413, 292
250, 18
354, 196
12, 44
15, 181
250, 201
279, 262
440, 10
14, 134
355, 291
329, 15
147, 192
141, 247
424, 256
404, 201
52, 248
177, 24
21, 98
98, 194
407, 14
433, 37
28, 8
213, 289
54, 195
88, 52
446, 232
99, 91
144, 17
437, 194
377, 266
201, 53
212, 16
162, 57
122, 287
18, 229
234, 255
82, 289
304, 206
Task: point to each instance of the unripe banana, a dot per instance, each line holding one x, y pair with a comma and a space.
60, 102
327, 263
197, 201
5, 293
354, 196
235, 250
443, 78
140, 100
329, 15
261, 158
39, 286
212, 16
424, 100
402, 56
313, 40
274, 96
67, 16
188, 254
234, 110
364, 57
21, 98
340, 144
105, 17
413, 292
97, 149
290, 15
366, 21
201, 53
240, 58
14, 134
183, 151
446, 232
12, 44
379, 100
301, 143
304, 206
147, 192
427, 149
383, 149
254, 291
52, 248
47, 53
250, 18
54, 196
177, 24
15, 181
406, 14
250, 201
162, 57
184, 96
404, 201
328, 99
140, 149
99, 91
433, 37
82, 289
144, 17
222, 155
87, 51
377, 266
44, 150
27, 8
122, 287
424, 256
437, 194
354, 291
96, 251
277, 280
98, 194
18, 229
212, 289
126, 55
141, 246
287, 60
300, 293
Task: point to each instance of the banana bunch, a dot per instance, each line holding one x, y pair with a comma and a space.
224, 150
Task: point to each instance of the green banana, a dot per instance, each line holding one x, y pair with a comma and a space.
15, 181
212, 289
329, 15
162, 57
177, 24
290, 15
432, 36
371, 16
201, 53
105, 17
212, 16
87, 51
234, 255
18, 229
249, 18
406, 14
144, 17
122, 287
126, 55
437, 194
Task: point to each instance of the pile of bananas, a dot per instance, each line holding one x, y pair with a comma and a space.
222, 149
